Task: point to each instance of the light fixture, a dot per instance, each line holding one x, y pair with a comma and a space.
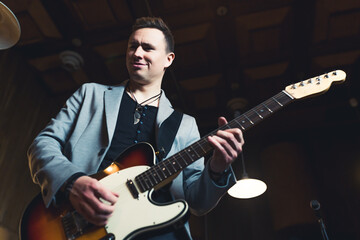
247, 187
71, 61
9, 28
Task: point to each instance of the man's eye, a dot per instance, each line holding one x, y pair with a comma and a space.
148, 48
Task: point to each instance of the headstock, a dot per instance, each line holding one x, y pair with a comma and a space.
315, 85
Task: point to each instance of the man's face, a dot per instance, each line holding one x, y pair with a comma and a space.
146, 56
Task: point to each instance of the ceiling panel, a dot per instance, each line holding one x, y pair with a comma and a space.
261, 32
94, 14
336, 20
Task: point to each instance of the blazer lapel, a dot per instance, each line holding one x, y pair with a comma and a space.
164, 111
112, 100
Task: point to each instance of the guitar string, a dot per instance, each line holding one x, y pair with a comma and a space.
280, 99
184, 154
250, 115
165, 165
269, 107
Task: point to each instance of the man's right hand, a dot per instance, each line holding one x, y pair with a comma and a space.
85, 198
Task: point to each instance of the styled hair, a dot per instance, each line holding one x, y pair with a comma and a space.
158, 23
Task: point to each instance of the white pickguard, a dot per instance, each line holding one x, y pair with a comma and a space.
133, 216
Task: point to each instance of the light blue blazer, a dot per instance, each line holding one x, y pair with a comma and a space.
77, 139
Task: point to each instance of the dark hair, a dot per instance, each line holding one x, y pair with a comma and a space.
158, 23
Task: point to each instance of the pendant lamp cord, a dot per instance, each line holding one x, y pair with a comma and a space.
243, 165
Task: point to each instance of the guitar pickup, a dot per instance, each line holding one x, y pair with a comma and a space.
131, 186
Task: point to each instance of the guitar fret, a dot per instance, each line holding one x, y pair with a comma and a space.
183, 158
262, 112
144, 180
258, 114
176, 161
172, 163
277, 101
186, 151
239, 124
153, 174
154, 179
248, 119
163, 171
243, 122
141, 184
179, 157
160, 170
166, 165
204, 145
171, 169
165, 168
157, 174
201, 147
149, 179
196, 154
267, 108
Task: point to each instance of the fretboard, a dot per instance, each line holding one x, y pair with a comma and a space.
177, 162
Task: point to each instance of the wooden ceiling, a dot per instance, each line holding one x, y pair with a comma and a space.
224, 49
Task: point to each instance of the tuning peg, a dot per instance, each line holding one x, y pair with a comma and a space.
301, 84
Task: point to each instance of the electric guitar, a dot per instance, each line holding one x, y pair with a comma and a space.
134, 181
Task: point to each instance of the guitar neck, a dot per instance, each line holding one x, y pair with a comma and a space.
177, 162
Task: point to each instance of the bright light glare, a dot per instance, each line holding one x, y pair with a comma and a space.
247, 188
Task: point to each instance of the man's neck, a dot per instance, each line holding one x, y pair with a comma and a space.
144, 91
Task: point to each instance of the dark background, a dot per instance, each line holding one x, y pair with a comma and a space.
225, 50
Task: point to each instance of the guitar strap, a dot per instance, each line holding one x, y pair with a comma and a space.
166, 137
167, 133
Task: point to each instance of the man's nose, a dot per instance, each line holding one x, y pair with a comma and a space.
138, 52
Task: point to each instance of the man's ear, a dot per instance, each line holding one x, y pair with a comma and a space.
169, 59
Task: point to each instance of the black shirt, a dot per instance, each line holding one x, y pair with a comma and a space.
127, 133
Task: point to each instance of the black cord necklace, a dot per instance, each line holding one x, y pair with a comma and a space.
139, 106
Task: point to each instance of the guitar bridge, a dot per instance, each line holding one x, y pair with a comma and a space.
74, 225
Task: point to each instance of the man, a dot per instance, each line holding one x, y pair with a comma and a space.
98, 122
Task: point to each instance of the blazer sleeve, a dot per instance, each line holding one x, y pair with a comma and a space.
49, 167
201, 192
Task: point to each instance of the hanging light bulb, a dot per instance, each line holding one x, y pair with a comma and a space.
247, 187
9, 28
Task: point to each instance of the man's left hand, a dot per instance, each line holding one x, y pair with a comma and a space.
227, 147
